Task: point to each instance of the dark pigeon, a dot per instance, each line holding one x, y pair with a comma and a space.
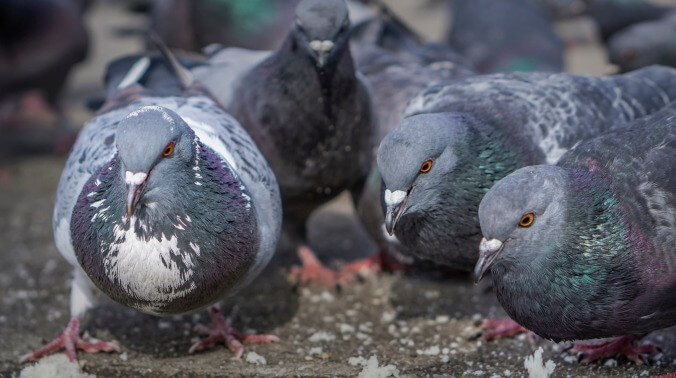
505, 36
167, 206
306, 108
644, 44
460, 138
585, 249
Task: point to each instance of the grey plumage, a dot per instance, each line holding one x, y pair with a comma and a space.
611, 16
646, 43
598, 258
397, 65
492, 42
305, 107
209, 211
477, 130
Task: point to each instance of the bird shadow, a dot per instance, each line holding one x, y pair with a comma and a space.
269, 302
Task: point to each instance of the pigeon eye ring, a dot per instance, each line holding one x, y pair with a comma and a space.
426, 166
526, 220
168, 150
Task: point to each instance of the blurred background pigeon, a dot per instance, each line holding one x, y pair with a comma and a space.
612, 16
194, 24
645, 43
40, 42
585, 249
505, 35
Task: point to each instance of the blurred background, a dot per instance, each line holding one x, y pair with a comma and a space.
53, 56
54, 52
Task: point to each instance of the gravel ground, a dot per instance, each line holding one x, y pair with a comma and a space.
421, 323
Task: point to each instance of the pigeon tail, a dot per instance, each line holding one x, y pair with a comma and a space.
184, 75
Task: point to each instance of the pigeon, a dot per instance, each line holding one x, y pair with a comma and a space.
167, 206
308, 111
40, 42
584, 249
192, 25
460, 138
615, 15
397, 65
524, 41
644, 44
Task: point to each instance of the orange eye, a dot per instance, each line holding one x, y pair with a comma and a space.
168, 150
527, 220
426, 166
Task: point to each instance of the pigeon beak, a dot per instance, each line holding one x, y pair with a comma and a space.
489, 250
322, 50
136, 183
396, 204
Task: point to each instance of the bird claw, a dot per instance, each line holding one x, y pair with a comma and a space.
71, 341
313, 270
501, 329
623, 346
376, 263
222, 332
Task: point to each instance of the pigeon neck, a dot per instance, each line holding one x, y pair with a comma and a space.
493, 158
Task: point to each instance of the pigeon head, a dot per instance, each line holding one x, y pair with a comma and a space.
152, 142
415, 159
521, 216
322, 28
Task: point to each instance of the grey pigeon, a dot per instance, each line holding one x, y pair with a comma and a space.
306, 108
460, 138
614, 15
195, 24
505, 36
585, 249
167, 206
398, 65
646, 43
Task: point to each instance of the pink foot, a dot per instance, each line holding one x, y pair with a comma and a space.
71, 341
5, 176
222, 332
623, 346
376, 263
501, 329
313, 271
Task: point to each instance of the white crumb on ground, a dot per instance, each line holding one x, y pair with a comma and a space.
431, 351
56, 365
372, 369
316, 351
255, 358
535, 366
322, 336
124, 356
